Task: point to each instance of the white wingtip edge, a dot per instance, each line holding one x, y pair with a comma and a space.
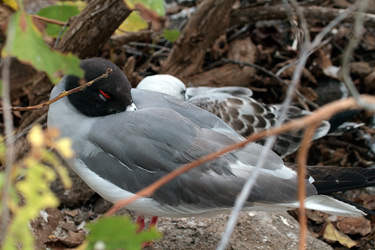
332, 206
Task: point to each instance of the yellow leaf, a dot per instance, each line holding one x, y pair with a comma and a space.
79, 4
11, 3
36, 137
331, 233
134, 22
51, 159
64, 146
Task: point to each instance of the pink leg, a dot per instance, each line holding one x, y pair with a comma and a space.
153, 222
141, 223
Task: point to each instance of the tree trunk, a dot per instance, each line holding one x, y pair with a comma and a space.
209, 21
90, 30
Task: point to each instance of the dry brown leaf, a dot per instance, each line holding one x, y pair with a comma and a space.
350, 225
332, 234
317, 216
150, 15
220, 47
361, 69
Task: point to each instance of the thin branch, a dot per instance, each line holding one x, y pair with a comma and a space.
303, 22
60, 34
327, 29
353, 42
9, 142
301, 159
61, 95
242, 16
49, 20
323, 113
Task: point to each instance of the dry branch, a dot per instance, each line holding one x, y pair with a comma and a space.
250, 15
49, 20
128, 37
61, 95
323, 113
91, 29
301, 159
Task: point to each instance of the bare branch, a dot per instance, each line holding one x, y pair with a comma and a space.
244, 16
353, 42
49, 20
61, 95
301, 159
9, 142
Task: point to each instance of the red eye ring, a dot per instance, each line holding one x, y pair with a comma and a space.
105, 94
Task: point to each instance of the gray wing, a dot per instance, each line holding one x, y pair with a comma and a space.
198, 116
135, 153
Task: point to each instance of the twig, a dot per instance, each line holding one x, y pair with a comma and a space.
353, 42
150, 45
242, 16
301, 159
60, 34
127, 37
303, 22
282, 69
9, 142
49, 20
323, 113
61, 95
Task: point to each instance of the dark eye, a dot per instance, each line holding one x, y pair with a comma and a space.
103, 95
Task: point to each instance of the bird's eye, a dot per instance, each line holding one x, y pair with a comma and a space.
103, 95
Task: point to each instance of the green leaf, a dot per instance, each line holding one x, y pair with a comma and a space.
171, 35
118, 232
26, 43
60, 13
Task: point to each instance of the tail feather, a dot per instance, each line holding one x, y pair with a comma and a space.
333, 179
322, 203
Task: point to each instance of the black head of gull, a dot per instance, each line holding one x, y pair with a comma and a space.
121, 153
104, 97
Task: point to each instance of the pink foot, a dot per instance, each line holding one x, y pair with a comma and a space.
141, 223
